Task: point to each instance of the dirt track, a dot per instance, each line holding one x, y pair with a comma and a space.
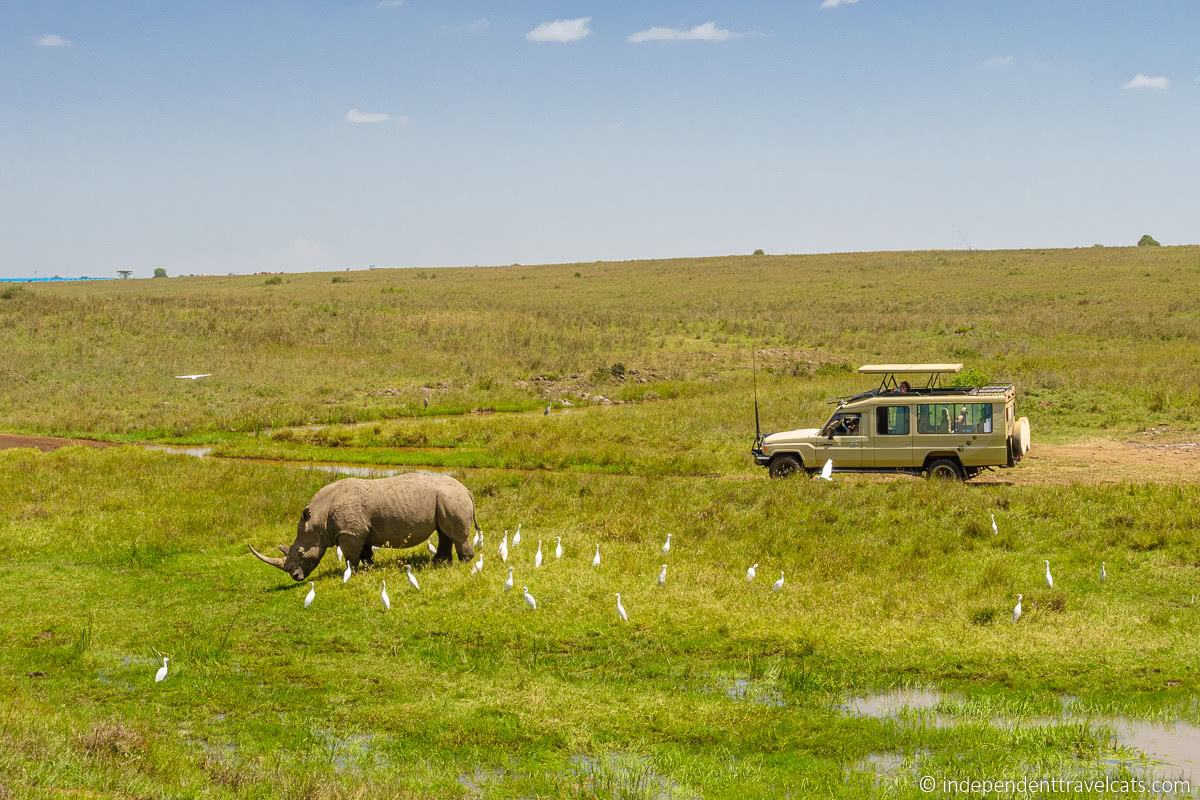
1096, 461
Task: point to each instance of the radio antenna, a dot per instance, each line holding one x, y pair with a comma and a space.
754, 374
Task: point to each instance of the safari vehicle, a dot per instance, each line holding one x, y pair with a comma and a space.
931, 430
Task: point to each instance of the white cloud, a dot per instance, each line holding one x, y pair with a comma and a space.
365, 117
708, 32
52, 40
997, 61
1141, 81
481, 25
836, 3
561, 30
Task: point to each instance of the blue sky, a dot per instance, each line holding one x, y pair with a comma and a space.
243, 136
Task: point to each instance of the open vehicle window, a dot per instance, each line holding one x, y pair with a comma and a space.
892, 420
954, 418
843, 425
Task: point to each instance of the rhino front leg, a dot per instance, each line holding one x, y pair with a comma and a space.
352, 548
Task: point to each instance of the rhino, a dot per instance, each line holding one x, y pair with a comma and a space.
360, 514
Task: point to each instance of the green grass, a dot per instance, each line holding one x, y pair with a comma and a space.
716, 688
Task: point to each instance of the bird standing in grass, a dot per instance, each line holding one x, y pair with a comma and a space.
477, 567
777, 586
312, 594
412, 578
827, 471
557, 547
666, 548
1049, 577
1103, 572
339, 554
529, 601
477, 540
750, 573
995, 529
621, 609
537, 559
349, 571
662, 576
503, 549
431, 547
517, 535
383, 595
508, 582
1017, 609
596, 558
161, 675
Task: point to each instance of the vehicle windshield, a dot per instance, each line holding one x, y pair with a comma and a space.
843, 423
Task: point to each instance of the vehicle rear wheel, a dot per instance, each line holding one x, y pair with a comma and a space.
785, 466
944, 469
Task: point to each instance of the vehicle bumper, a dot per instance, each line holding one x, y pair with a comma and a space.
760, 458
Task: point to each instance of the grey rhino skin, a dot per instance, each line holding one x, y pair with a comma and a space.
361, 514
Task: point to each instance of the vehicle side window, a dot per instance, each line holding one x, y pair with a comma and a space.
892, 420
954, 418
843, 425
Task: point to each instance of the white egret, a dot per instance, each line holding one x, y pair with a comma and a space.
477, 567
557, 547
827, 470
503, 549
194, 377
1049, 577
383, 595
666, 548
517, 535
596, 558
431, 547
312, 594
662, 576
750, 573
508, 583
339, 554
621, 609
349, 571
161, 675
529, 601
477, 539
1103, 572
537, 559
994, 528
412, 578
1017, 609
777, 586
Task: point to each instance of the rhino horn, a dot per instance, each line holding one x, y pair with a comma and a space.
274, 562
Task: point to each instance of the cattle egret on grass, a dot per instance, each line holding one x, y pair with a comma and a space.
827, 470
537, 559
477, 540
412, 578
383, 595
503, 549
1103, 572
529, 601
778, 585
662, 576
621, 609
477, 567
1049, 577
517, 535
557, 547
312, 594
349, 571
667, 545
161, 675
339, 554
431, 547
1017, 609
750, 573
994, 528
508, 584
194, 377
596, 558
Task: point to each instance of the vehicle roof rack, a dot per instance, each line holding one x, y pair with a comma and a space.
889, 372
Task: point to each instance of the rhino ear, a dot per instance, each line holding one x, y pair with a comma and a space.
282, 549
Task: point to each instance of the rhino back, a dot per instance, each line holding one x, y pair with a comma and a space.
401, 510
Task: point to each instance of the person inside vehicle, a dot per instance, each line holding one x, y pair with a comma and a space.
944, 423
963, 423
903, 388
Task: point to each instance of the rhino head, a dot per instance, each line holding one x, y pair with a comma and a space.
305, 553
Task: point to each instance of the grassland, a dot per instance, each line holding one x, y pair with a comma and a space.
717, 687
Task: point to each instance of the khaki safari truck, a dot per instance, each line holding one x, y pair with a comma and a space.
932, 430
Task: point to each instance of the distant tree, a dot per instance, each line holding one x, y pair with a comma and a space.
160, 272
124, 273
1148, 241
759, 252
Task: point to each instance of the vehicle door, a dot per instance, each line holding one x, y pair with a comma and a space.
843, 440
892, 444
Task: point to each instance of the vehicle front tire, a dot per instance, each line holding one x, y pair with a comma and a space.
785, 466
944, 469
